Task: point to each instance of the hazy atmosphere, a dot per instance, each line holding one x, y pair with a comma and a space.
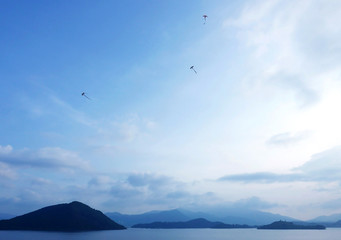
257, 125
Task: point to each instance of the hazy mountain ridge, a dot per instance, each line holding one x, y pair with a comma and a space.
336, 224
148, 217
329, 219
227, 216
195, 223
241, 216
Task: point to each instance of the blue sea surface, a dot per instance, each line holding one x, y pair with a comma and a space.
178, 234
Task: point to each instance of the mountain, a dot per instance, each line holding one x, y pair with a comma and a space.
148, 217
283, 225
331, 218
74, 216
224, 215
336, 224
231, 215
195, 223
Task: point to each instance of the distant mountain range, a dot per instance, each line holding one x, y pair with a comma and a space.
74, 216
238, 216
330, 218
77, 216
224, 215
203, 223
195, 223
331, 221
227, 216
148, 217
336, 224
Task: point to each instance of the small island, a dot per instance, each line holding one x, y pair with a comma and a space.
284, 225
71, 217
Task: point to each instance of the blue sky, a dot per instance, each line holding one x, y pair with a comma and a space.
259, 124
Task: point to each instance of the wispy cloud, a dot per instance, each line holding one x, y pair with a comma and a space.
99, 181
130, 132
253, 203
263, 177
43, 102
121, 192
332, 204
298, 84
67, 110
220, 208
133, 127
152, 181
323, 167
104, 131
281, 55
48, 157
138, 183
151, 190
288, 138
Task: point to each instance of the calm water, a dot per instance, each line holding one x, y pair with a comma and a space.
179, 234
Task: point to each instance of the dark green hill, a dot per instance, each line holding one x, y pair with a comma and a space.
289, 225
74, 216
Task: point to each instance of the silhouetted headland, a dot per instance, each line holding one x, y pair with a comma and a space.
74, 216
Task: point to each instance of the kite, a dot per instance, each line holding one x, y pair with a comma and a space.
204, 16
193, 69
83, 94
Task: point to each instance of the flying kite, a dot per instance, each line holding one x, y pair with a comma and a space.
204, 16
83, 94
193, 69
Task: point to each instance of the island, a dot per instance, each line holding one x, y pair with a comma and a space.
195, 223
284, 225
71, 217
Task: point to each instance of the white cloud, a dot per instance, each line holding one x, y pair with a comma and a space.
5, 149
7, 172
100, 180
134, 127
129, 131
